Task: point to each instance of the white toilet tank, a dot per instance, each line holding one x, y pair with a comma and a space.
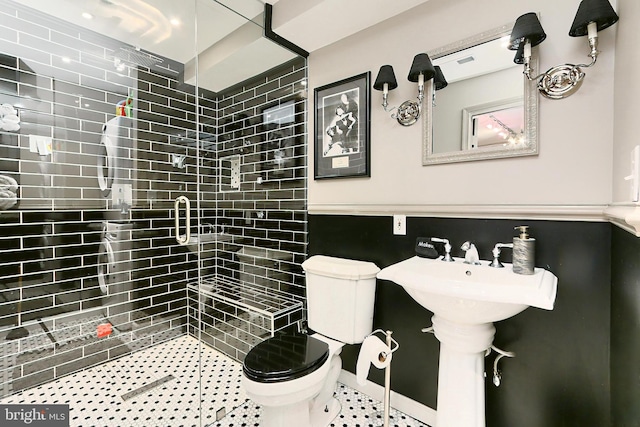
340, 297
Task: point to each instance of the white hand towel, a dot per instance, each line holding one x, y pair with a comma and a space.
7, 199
8, 183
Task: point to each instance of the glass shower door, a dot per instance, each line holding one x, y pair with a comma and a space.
110, 112
98, 137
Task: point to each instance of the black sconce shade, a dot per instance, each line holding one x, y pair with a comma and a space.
439, 82
527, 27
421, 64
385, 75
599, 11
519, 58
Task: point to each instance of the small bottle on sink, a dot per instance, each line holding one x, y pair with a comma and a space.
524, 248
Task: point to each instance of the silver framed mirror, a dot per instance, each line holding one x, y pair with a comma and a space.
488, 109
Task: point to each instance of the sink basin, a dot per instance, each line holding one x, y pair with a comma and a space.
472, 294
207, 242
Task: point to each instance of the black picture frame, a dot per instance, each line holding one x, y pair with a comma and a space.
342, 128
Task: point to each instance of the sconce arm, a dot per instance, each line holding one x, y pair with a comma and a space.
409, 111
562, 80
593, 45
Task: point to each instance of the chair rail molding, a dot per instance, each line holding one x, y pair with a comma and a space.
625, 216
542, 212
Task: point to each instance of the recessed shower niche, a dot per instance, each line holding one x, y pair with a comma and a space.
230, 173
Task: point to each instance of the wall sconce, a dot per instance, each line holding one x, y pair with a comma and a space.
439, 82
421, 70
562, 80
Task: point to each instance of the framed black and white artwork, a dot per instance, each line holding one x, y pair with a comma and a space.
342, 128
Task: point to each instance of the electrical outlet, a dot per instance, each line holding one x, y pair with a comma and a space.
400, 225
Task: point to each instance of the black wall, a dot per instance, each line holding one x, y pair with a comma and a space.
560, 375
625, 329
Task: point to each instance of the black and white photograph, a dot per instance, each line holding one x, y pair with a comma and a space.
342, 128
341, 123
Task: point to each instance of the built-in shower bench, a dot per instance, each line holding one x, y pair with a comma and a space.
238, 314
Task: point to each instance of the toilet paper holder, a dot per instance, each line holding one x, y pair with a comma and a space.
388, 340
387, 371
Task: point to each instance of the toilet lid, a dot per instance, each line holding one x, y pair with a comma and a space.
285, 357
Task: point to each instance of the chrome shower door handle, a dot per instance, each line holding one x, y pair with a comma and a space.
182, 239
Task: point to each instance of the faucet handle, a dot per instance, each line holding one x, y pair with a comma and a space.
496, 254
447, 248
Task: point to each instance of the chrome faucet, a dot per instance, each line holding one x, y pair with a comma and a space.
447, 248
207, 227
496, 254
471, 253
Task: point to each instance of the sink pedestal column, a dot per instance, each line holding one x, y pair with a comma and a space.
461, 380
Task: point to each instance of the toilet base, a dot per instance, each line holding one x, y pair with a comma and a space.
324, 416
299, 415
291, 415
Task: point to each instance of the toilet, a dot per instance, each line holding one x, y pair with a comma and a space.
293, 375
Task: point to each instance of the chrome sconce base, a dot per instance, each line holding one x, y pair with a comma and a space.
561, 81
407, 113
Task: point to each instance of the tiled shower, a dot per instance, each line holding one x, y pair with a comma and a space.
238, 155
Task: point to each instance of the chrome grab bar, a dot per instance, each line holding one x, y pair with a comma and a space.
183, 239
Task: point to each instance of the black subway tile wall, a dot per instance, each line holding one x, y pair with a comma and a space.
262, 133
62, 230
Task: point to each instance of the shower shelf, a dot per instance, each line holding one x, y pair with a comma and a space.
261, 308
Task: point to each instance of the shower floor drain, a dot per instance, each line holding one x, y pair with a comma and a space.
146, 387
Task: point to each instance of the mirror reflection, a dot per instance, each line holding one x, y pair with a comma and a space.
499, 124
486, 110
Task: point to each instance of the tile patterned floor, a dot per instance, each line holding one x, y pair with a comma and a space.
161, 388
358, 410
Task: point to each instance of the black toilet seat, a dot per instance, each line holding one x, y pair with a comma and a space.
285, 357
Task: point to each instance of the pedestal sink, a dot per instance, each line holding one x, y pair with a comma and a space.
465, 300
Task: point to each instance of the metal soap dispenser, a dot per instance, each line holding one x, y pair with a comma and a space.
524, 248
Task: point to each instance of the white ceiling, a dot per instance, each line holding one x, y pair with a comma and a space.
313, 24
231, 48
